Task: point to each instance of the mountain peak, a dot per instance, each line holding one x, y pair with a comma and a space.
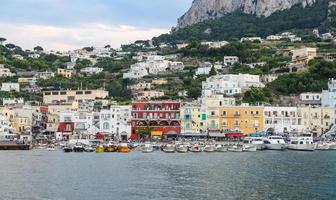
202, 10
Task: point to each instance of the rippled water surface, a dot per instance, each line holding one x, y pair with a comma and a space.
40, 174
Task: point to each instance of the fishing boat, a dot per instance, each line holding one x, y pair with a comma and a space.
196, 148
209, 148
123, 148
256, 141
67, 149
89, 149
147, 148
78, 148
302, 143
221, 148
275, 142
249, 148
168, 148
182, 148
235, 148
100, 149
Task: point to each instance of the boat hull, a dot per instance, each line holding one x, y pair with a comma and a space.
278, 147
301, 147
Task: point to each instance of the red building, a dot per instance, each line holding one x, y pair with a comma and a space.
155, 119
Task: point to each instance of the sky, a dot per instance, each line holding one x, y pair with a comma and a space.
71, 24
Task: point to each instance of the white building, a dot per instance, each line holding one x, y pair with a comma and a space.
176, 66
203, 71
215, 45
12, 101
8, 87
283, 119
136, 71
89, 71
230, 84
252, 39
5, 72
310, 98
230, 60
328, 97
274, 37
45, 75
116, 121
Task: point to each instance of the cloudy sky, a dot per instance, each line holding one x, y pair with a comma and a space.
70, 24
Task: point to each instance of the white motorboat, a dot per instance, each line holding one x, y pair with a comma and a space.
302, 143
209, 148
147, 148
275, 142
322, 146
89, 149
256, 141
235, 148
182, 148
221, 148
249, 148
196, 148
78, 148
332, 145
168, 148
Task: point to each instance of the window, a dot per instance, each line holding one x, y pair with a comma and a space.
79, 92
54, 93
88, 92
224, 113
106, 126
47, 93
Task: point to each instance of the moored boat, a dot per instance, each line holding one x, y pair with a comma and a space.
78, 148
235, 148
196, 148
302, 143
168, 148
209, 148
110, 148
275, 142
51, 148
89, 149
182, 148
67, 149
147, 148
221, 148
123, 148
100, 149
249, 148
256, 141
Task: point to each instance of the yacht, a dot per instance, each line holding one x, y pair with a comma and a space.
168, 148
209, 148
275, 142
256, 141
182, 148
196, 148
302, 143
147, 148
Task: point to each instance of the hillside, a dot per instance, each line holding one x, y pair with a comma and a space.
239, 24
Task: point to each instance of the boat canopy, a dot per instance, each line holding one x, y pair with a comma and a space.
191, 134
100, 135
216, 134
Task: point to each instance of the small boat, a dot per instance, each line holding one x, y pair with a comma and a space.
123, 148
110, 148
168, 148
147, 148
221, 148
209, 148
249, 148
100, 149
196, 148
256, 141
89, 149
302, 143
275, 142
235, 148
182, 148
51, 148
78, 148
67, 149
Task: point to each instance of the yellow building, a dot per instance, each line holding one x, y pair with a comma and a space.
192, 119
68, 73
318, 119
21, 123
245, 119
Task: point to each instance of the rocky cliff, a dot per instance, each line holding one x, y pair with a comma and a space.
210, 9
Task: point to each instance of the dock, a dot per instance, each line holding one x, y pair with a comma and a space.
8, 145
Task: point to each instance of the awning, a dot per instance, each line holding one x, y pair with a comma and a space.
156, 133
100, 135
216, 134
191, 134
234, 135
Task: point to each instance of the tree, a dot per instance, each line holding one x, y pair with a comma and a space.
10, 46
213, 71
38, 48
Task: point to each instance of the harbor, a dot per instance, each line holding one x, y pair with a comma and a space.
41, 174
